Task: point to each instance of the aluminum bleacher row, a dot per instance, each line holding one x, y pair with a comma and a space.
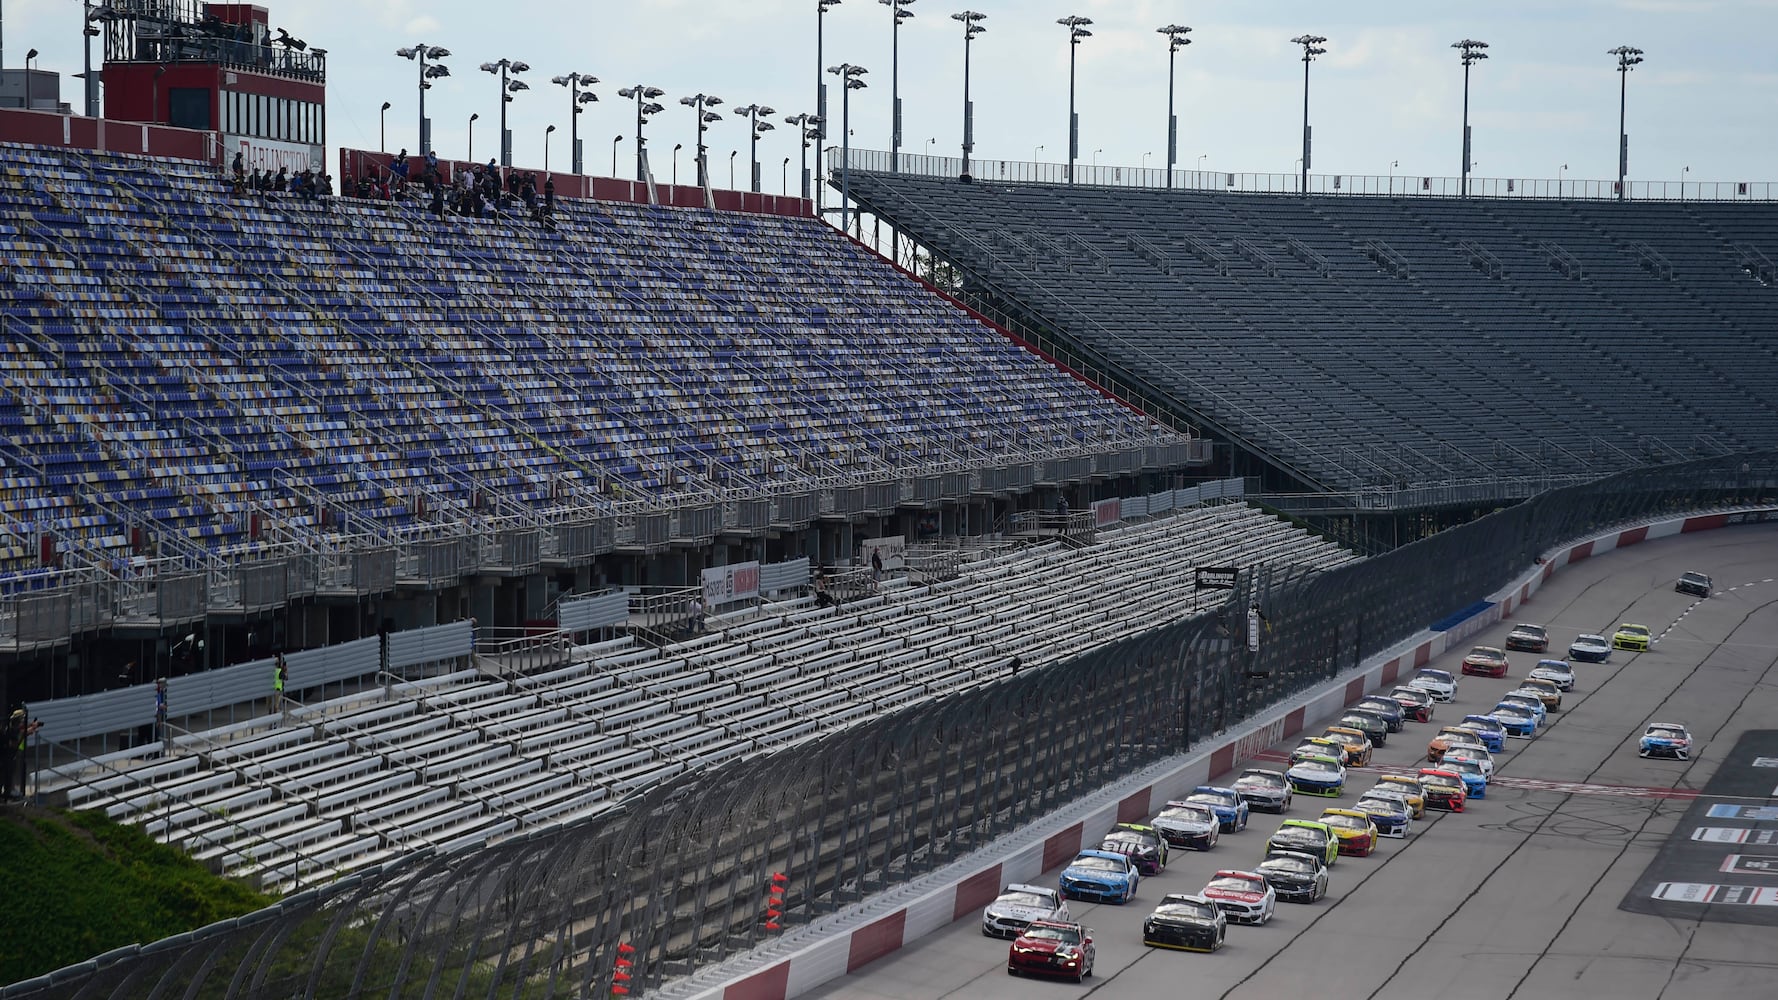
178, 366
1386, 339
467, 757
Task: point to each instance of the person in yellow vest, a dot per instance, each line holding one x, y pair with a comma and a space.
280, 674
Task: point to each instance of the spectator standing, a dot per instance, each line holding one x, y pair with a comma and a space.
876, 565
240, 166
10, 750
160, 714
280, 674
697, 615
1015, 665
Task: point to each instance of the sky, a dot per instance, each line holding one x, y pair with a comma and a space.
1385, 98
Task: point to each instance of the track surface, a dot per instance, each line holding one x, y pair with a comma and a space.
1516, 898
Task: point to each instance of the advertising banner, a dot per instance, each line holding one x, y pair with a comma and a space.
891, 549
728, 584
270, 154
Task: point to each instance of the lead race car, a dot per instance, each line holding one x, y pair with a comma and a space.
1665, 739
1052, 948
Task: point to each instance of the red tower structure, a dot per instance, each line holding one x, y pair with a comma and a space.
218, 67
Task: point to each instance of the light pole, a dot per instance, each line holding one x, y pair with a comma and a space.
809, 127
820, 117
756, 127
1035, 153
420, 53
849, 81
1561, 175
731, 167
1311, 48
1201, 158
94, 18
899, 10
576, 99
1177, 38
645, 106
676, 148
30, 57
383, 128
1145, 157
472, 121
546, 134
784, 177
1096, 153
1473, 52
1682, 175
507, 89
972, 26
1627, 58
701, 105
1077, 30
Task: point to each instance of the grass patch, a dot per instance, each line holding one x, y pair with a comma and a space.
81, 884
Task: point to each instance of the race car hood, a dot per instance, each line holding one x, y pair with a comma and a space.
1313, 774
1184, 825
1180, 920
1018, 911
1041, 946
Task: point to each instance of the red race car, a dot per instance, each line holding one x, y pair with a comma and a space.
1485, 661
1052, 948
1444, 789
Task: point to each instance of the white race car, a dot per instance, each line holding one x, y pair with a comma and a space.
1190, 825
1557, 672
1481, 757
1018, 905
1437, 683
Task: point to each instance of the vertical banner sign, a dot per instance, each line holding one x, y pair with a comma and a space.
1253, 629
728, 584
1107, 512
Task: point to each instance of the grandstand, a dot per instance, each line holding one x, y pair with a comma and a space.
1389, 346
195, 386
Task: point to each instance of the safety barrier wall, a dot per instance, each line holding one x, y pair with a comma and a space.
677, 877
1028, 857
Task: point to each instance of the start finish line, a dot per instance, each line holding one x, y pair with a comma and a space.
1528, 784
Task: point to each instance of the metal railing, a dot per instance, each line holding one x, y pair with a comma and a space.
1248, 182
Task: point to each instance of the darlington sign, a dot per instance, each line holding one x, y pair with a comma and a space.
1217, 577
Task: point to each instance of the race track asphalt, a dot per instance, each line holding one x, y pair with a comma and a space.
1515, 898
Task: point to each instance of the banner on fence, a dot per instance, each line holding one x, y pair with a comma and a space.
891, 550
728, 584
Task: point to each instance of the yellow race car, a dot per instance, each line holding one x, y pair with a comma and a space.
1356, 831
1630, 636
1409, 787
1357, 745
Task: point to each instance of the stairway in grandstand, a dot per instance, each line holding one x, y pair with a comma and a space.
1389, 341
181, 371
468, 757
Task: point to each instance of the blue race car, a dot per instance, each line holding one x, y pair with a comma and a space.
1229, 806
1100, 876
1390, 811
1530, 703
1517, 719
1317, 774
1475, 780
1665, 739
1492, 733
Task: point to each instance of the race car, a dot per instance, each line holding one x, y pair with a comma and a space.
1696, 584
1435, 682
1017, 906
1485, 661
1372, 725
1353, 830
1225, 802
1356, 746
1408, 787
1528, 638
1451, 736
1557, 672
1309, 836
1317, 775
1481, 758
1630, 636
1263, 788
1100, 876
1140, 843
1188, 824
1415, 703
1052, 948
1245, 897
1318, 746
1295, 877
1589, 647
1665, 739
1388, 809
1544, 690
1385, 708
1475, 783
1444, 789
1518, 720
1188, 923
1529, 702
1492, 733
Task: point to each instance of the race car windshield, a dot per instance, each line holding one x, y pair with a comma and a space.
1590, 640
1236, 885
1099, 865
1024, 899
1433, 675
1666, 734
1193, 911
1536, 630
1301, 835
1261, 778
1208, 799
1632, 630
1485, 651
1345, 822
1465, 766
1123, 839
1442, 780
1290, 862
1053, 934
1188, 814
1414, 695
1317, 767
1380, 804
